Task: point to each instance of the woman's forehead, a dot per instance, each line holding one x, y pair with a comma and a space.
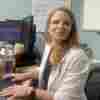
60, 14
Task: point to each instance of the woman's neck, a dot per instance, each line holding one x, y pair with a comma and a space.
57, 44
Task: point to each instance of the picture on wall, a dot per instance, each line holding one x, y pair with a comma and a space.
90, 15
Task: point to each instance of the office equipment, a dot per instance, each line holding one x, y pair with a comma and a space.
10, 31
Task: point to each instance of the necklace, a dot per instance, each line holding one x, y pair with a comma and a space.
56, 55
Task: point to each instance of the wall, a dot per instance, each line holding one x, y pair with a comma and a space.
15, 8
91, 38
20, 8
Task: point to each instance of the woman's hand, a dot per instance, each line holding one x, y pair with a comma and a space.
16, 77
22, 91
18, 91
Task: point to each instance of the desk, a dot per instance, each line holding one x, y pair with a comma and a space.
20, 60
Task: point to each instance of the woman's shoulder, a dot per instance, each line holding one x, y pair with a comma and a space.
77, 59
76, 53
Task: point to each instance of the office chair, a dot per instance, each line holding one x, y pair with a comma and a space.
92, 88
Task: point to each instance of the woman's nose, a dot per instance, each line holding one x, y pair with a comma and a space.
60, 25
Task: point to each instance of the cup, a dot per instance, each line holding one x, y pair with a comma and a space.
7, 59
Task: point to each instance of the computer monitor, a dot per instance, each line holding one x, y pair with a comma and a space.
10, 31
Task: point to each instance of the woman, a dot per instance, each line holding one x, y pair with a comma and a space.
69, 66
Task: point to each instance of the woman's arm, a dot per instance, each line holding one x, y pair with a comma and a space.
20, 91
30, 74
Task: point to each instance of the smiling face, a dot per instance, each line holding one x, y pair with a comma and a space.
60, 25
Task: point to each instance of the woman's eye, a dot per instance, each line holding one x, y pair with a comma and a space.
55, 22
63, 22
67, 23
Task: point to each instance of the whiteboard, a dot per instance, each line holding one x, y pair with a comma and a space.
91, 15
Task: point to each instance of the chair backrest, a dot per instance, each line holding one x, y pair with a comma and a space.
92, 88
